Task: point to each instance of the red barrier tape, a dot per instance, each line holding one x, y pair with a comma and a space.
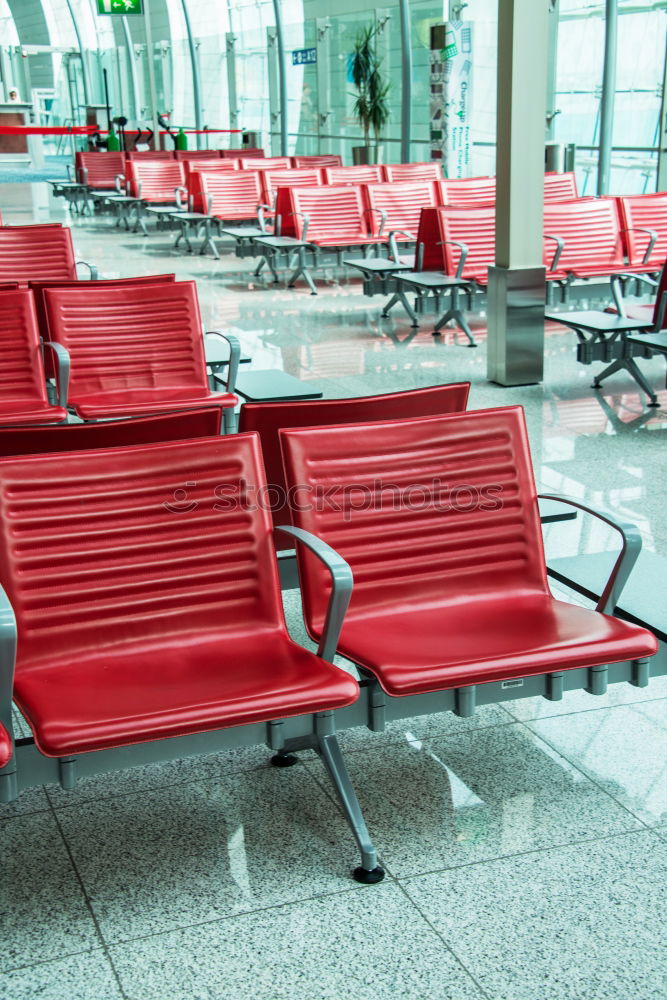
92, 129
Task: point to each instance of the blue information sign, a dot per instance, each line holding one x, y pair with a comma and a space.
304, 57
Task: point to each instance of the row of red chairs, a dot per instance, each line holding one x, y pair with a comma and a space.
137, 625
41, 252
114, 348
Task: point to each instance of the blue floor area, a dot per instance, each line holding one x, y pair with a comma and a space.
55, 168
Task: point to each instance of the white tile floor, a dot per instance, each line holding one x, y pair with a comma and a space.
526, 849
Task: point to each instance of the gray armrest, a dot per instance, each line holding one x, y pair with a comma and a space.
652, 240
234, 356
393, 246
121, 184
560, 246
630, 549
463, 247
306, 222
179, 191
62, 369
94, 274
341, 587
8, 790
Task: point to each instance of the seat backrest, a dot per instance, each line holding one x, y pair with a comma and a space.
233, 194
209, 166
268, 163
197, 154
36, 253
150, 154
591, 230
401, 204
468, 192
155, 180
326, 160
371, 174
129, 337
273, 179
476, 227
401, 172
268, 419
21, 368
110, 433
644, 211
247, 152
434, 510
560, 187
660, 296
132, 566
99, 170
333, 213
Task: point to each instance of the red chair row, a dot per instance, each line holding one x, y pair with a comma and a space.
38, 253
123, 348
155, 630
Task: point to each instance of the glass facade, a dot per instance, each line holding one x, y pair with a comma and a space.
234, 83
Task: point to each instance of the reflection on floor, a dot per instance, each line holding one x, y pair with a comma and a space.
526, 848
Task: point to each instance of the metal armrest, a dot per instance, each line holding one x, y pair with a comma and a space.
8, 789
70, 172
91, 267
234, 356
630, 549
393, 248
341, 587
261, 209
653, 239
83, 176
463, 247
306, 223
121, 184
560, 246
62, 369
178, 192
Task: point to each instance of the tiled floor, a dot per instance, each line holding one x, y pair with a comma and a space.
526, 848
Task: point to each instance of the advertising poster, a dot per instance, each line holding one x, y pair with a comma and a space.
451, 96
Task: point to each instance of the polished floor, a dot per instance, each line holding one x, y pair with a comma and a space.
525, 849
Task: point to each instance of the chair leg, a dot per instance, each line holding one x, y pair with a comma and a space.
454, 313
631, 366
327, 746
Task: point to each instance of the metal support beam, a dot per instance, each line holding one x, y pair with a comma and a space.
608, 95
194, 63
85, 75
323, 27
552, 68
516, 293
282, 74
662, 132
406, 80
231, 87
151, 74
134, 81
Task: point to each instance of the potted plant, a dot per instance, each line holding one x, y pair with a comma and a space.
370, 106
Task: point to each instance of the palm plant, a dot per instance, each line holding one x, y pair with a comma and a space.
370, 108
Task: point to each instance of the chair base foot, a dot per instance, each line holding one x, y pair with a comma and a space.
367, 877
284, 760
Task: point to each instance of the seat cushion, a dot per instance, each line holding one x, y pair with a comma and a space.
432, 649
128, 402
131, 695
14, 411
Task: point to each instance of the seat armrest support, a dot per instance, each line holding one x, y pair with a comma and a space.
630, 549
63, 366
463, 247
306, 222
341, 587
560, 246
8, 790
234, 356
652, 240
94, 274
393, 246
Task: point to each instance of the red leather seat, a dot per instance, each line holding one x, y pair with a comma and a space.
36, 253
23, 398
450, 579
133, 349
267, 419
99, 170
140, 618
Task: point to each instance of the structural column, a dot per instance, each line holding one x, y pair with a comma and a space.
608, 95
516, 293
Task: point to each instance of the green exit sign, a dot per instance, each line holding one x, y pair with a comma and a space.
119, 7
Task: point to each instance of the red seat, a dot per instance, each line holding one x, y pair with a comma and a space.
397, 207
23, 398
136, 630
371, 174
110, 433
403, 172
248, 151
197, 154
439, 523
440, 228
591, 234
332, 217
273, 179
99, 170
325, 160
133, 349
208, 166
468, 192
231, 195
36, 253
644, 220
269, 418
145, 155
560, 187
154, 181
267, 162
